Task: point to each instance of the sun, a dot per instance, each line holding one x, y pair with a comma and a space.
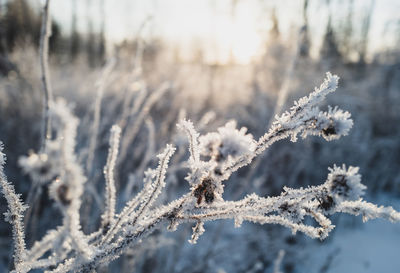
237, 39
245, 47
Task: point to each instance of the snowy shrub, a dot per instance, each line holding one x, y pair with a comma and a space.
213, 158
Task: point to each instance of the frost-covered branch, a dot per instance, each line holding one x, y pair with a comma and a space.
192, 135
304, 118
59, 165
14, 215
154, 187
67, 188
108, 216
154, 183
213, 158
341, 192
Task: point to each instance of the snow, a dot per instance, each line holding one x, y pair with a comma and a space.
371, 247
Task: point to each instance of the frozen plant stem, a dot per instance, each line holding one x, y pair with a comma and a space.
14, 215
213, 158
108, 217
45, 34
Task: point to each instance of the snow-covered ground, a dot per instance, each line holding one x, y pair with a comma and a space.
371, 247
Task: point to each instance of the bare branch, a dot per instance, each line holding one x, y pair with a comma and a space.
45, 34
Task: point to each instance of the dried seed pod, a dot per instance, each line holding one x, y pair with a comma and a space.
206, 190
62, 194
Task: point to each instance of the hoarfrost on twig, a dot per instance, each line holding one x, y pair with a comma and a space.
213, 158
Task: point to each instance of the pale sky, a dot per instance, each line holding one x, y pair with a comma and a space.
212, 26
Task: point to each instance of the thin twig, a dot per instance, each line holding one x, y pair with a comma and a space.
45, 34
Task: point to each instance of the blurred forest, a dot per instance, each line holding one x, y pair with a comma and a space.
124, 81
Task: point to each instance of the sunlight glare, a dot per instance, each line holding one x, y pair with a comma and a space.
236, 39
